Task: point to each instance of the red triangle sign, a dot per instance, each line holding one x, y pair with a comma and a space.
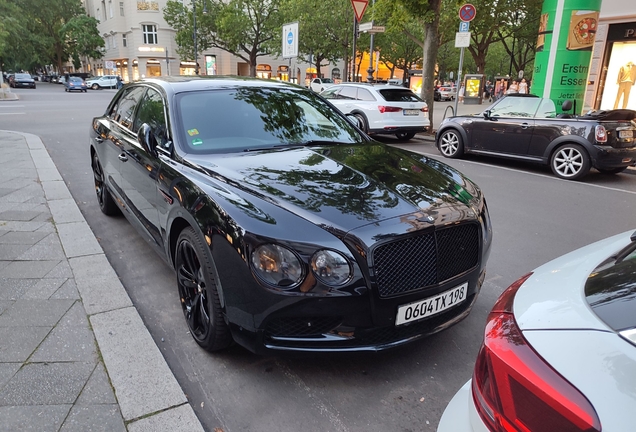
359, 6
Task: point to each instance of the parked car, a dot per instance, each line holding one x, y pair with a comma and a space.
559, 349
22, 80
106, 81
288, 228
527, 128
385, 109
320, 84
75, 83
447, 93
61, 79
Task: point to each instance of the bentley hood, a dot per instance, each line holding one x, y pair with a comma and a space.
344, 186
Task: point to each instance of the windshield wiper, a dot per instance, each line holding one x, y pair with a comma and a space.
297, 145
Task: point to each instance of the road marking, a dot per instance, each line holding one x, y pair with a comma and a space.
12, 113
533, 174
12, 106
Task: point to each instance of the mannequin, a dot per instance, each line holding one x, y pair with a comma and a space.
626, 79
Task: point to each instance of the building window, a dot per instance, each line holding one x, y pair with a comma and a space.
114, 41
124, 43
98, 15
121, 9
107, 42
110, 8
150, 34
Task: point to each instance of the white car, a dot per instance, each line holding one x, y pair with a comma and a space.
559, 350
447, 93
320, 84
384, 109
106, 81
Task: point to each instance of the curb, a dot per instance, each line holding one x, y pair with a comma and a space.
147, 392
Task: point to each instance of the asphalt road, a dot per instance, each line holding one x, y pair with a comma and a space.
535, 216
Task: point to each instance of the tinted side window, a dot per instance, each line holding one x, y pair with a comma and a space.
347, 93
365, 95
123, 111
399, 95
151, 111
515, 107
547, 109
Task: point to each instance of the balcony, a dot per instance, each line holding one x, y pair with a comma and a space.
147, 6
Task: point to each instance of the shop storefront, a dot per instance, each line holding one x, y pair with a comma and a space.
153, 68
263, 71
282, 73
210, 64
616, 81
187, 68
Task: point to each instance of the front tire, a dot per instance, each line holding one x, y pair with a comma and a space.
107, 204
450, 144
95, 86
197, 283
570, 162
364, 125
405, 136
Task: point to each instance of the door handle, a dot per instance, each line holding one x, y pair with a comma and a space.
123, 157
525, 125
99, 139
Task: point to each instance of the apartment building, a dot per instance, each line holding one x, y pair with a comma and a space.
140, 43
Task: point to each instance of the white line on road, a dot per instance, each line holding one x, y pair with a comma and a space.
12, 113
12, 106
535, 174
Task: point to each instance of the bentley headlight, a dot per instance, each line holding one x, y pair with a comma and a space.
277, 265
330, 267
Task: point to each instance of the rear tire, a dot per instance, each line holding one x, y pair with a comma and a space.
450, 144
197, 284
107, 204
570, 162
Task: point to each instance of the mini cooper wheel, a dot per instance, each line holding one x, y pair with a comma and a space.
196, 280
450, 144
570, 162
107, 204
405, 136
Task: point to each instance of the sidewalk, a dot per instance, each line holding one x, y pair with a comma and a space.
74, 353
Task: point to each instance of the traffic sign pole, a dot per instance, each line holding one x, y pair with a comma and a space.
466, 14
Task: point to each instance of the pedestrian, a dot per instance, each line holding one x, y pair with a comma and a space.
461, 94
523, 86
514, 88
119, 82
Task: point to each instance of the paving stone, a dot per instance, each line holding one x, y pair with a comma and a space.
141, 377
46, 384
94, 418
9, 252
54, 190
98, 389
33, 418
178, 419
62, 270
49, 174
18, 343
67, 343
7, 370
5, 191
43, 289
65, 211
67, 291
27, 269
14, 289
78, 239
76, 316
4, 305
48, 248
38, 313
25, 226
24, 238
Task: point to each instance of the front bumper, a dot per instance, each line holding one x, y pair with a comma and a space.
460, 414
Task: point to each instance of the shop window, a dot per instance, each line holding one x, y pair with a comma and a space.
263, 71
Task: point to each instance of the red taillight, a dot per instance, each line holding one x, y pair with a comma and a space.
384, 109
425, 109
515, 390
601, 133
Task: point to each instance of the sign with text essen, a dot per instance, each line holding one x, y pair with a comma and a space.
359, 6
567, 30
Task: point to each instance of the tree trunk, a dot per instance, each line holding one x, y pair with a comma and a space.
429, 57
253, 62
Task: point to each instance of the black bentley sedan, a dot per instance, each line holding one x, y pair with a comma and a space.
288, 228
527, 128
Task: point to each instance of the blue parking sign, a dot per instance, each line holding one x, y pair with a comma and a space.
463, 26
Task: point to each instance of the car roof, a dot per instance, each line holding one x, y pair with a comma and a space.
177, 84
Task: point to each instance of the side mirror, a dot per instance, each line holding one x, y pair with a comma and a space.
567, 105
147, 140
356, 120
487, 114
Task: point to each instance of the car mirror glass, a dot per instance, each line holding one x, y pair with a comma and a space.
487, 114
147, 140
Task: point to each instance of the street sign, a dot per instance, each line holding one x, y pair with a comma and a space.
359, 6
467, 12
109, 64
462, 39
463, 26
377, 29
290, 40
365, 26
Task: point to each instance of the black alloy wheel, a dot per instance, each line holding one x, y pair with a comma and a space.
570, 162
196, 280
450, 144
405, 136
107, 204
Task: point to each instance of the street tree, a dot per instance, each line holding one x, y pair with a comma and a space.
519, 36
82, 38
247, 29
324, 30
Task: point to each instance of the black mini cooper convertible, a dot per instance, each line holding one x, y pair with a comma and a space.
528, 128
289, 228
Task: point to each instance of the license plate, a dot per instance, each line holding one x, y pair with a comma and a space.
411, 112
626, 134
431, 306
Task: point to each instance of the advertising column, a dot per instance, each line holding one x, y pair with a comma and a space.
564, 49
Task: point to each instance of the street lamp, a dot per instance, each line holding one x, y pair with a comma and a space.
194, 24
